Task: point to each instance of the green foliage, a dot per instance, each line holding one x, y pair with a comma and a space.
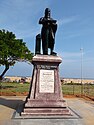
12, 49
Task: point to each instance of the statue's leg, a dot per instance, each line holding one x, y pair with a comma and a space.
45, 48
52, 48
45, 39
52, 40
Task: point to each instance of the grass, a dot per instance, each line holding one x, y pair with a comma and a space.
71, 89
14, 87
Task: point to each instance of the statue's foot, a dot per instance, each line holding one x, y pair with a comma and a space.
53, 53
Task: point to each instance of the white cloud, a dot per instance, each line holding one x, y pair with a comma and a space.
70, 58
70, 54
72, 35
68, 20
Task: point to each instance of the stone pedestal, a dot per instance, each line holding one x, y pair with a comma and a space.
45, 95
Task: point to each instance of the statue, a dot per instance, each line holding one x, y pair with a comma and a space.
48, 31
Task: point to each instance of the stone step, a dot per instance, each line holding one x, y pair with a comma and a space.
46, 111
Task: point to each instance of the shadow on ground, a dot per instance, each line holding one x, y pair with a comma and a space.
11, 103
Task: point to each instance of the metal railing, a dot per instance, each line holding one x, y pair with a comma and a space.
78, 89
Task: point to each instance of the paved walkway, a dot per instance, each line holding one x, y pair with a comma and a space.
82, 107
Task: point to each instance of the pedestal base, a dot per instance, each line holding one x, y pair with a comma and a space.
45, 95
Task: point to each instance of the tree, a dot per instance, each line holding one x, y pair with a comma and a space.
12, 50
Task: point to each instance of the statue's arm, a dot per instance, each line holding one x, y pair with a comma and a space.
41, 20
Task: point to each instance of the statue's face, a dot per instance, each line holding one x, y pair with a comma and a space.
47, 13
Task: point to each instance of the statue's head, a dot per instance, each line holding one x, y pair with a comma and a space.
47, 13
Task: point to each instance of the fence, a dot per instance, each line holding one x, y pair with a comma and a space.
76, 89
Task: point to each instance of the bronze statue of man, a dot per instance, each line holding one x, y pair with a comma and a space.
48, 31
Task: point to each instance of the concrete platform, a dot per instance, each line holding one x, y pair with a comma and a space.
83, 108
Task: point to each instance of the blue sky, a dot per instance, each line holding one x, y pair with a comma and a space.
75, 20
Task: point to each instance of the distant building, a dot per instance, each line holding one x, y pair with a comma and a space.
77, 80
18, 79
63, 80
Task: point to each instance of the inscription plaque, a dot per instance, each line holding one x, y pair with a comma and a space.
46, 81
